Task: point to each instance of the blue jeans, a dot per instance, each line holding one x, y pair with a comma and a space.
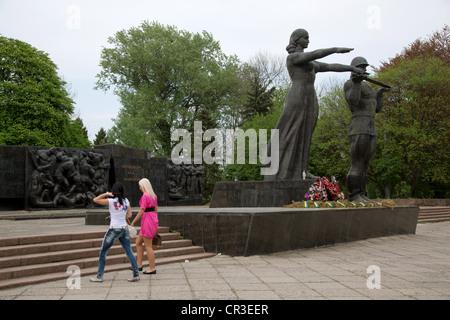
124, 238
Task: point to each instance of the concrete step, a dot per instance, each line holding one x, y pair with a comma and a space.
30, 280
434, 214
86, 262
41, 248
46, 238
33, 259
431, 214
29, 245
74, 253
434, 218
434, 208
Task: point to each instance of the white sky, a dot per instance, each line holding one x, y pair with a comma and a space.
73, 32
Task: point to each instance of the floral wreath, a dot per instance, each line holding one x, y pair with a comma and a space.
324, 190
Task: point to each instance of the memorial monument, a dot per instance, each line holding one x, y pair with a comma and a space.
296, 126
244, 230
56, 177
298, 120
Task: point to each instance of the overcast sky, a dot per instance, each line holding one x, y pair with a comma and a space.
74, 32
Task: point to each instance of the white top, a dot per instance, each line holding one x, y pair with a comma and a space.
118, 212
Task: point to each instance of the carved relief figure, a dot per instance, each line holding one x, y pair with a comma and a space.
185, 181
66, 178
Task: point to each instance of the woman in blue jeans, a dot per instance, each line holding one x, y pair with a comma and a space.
120, 209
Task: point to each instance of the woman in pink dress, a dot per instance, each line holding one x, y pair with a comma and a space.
149, 224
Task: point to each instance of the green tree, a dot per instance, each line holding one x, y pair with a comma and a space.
268, 121
100, 137
35, 107
330, 145
261, 77
79, 134
83, 128
259, 99
264, 83
164, 78
415, 151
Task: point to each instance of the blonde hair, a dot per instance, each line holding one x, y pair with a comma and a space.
147, 187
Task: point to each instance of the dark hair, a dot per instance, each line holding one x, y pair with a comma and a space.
117, 191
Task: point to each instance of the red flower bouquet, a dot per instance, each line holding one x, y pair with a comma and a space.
325, 190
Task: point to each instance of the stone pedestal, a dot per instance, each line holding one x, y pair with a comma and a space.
259, 193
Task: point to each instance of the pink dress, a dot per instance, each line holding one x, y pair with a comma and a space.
149, 222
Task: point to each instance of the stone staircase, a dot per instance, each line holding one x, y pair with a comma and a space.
34, 259
434, 214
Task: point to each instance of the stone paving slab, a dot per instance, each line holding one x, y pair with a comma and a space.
410, 267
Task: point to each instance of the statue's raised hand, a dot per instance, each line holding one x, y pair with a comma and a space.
358, 74
343, 50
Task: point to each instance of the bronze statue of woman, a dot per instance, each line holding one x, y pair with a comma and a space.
298, 120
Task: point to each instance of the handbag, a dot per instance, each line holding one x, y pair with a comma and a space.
156, 241
131, 230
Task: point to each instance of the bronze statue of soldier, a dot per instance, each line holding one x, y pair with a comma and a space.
364, 103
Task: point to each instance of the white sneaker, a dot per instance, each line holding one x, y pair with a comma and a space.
95, 280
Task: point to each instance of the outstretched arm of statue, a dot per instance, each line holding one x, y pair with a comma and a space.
336, 67
304, 57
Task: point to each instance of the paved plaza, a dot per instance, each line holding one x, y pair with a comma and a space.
402, 267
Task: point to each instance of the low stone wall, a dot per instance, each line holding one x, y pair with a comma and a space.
251, 231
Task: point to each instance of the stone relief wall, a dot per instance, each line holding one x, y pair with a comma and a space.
63, 177
184, 181
49, 177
